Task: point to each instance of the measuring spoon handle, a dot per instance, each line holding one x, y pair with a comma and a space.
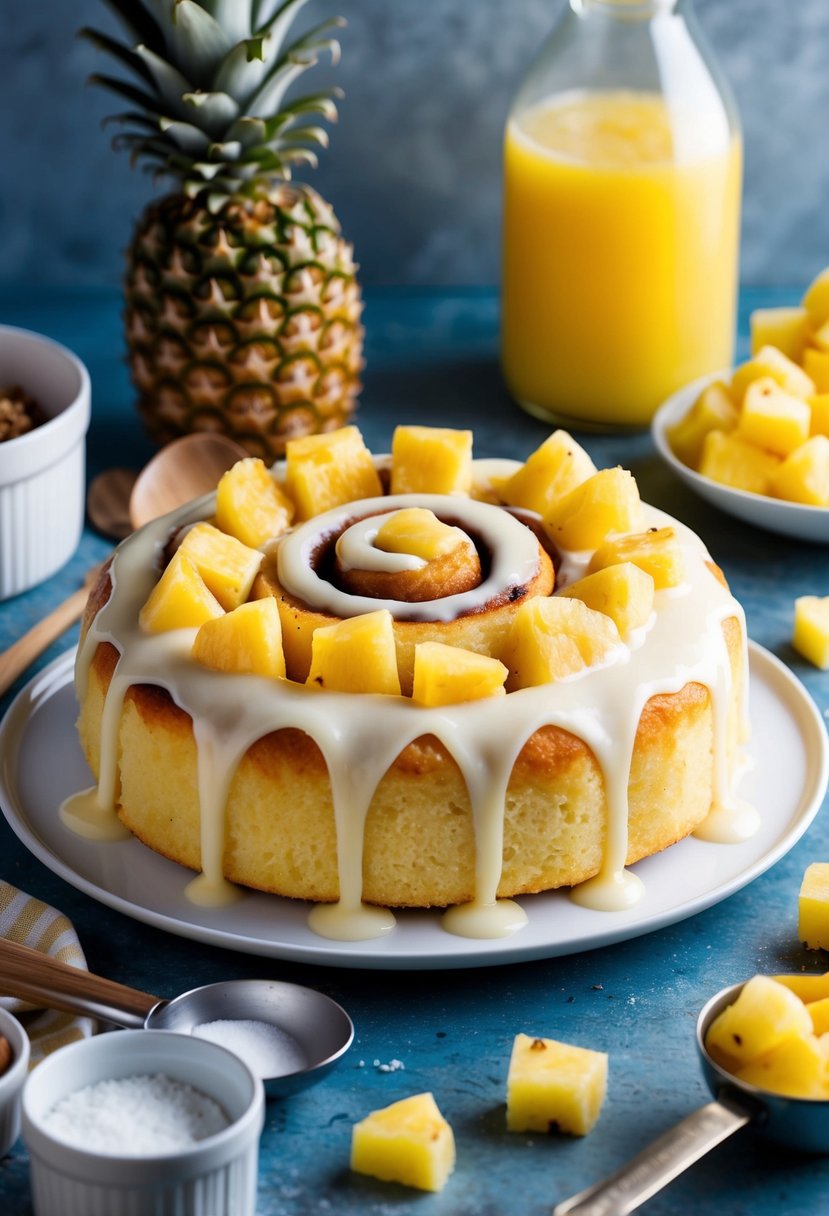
659, 1163
31, 976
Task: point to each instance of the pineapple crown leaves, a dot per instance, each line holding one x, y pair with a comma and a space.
206, 82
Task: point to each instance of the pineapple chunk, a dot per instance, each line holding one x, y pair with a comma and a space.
809, 988
773, 418
820, 337
796, 1067
819, 1013
419, 532
816, 366
179, 600
408, 1142
553, 469
623, 592
431, 460
804, 474
763, 1016
324, 471
607, 502
554, 637
713, 410
769, 361
356, 655
444, 675
820, 414
554, 1086
810, 636
657, 552
248, 639
227, 566
250, 505
813, 907
784, 328
816, 299
731, 461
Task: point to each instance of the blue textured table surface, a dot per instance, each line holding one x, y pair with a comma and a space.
431, 358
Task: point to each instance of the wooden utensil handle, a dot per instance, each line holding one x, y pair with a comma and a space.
35, 977
25, 650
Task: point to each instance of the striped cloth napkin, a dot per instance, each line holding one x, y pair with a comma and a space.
33, 923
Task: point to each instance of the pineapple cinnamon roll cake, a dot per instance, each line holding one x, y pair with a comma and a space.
411, 681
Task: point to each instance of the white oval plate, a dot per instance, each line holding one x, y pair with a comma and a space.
41, 764
788, 518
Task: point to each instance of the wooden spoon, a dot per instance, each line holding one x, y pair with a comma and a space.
185, 469
108, 502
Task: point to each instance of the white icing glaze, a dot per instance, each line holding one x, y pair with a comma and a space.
682, 642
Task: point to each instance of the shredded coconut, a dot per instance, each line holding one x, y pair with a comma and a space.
267, 1050
135, 1116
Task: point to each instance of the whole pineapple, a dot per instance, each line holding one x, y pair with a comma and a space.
242, 307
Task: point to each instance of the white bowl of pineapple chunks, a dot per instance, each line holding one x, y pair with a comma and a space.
754, 440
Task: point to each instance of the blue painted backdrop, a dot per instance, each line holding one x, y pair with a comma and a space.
414, 166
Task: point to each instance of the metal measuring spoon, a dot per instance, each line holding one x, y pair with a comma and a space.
799, 1123
317, 1026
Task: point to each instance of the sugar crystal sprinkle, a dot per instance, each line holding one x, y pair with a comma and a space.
136, 1116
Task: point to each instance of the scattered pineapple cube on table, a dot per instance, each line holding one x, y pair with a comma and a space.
250, 505
179, 600
796, 1068
416, 531
770, 362
784, 328
246, 640
622, 591
732, 461
810, 636
357, 654
764, 1014
408, 1142
657, 552
447, 675
554, 1086
713, 410
431, 460
804, 474
552, 637
813, 907
555, 468
606, 502
325, 471
227, 566
773, 418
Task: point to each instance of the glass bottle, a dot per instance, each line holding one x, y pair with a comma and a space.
622, 189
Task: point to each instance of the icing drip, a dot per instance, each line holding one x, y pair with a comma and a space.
682, 642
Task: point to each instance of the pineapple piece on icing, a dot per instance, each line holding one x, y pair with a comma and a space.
431, 460
250, 505
772, 418
552, 637
623, 592
356, 655
810, 636
813, 907
804, 474
408, 1142
246, 640
797, 1067
179, 600
713, 410
784, 328
769, 361
657, 552
419, 532
445, 675
227, 566
764, 1015
554, 1086
324, 471
553, 469
731, 461
584, 518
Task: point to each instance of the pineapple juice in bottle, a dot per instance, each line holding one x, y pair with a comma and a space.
622, 184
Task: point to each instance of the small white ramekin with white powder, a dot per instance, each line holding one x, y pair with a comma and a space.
140, 1121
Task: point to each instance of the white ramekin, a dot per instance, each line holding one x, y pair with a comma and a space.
42, 473
11, 1082
216, 1177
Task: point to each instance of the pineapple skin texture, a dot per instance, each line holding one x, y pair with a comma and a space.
245, 320
408, 1142
554, 1086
